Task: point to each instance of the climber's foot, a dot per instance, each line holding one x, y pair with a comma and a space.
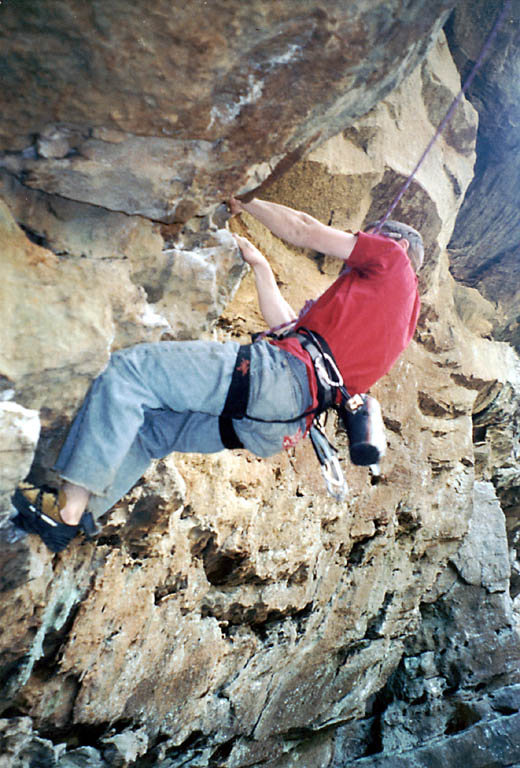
38, 512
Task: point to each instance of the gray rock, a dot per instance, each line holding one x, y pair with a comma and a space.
491, 743
19, 433
486, 240
483, 558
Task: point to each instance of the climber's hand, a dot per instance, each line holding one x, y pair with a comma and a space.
273, 306
250, 253
235, 206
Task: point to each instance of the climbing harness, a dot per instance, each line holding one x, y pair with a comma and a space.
447, 117
360, 414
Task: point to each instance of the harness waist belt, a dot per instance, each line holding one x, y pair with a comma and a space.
229, 437
328, 378
235, 406
238, 392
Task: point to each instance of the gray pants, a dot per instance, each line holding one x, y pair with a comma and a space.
153, 399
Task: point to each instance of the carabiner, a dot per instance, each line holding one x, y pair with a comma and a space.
322, 372
334, 479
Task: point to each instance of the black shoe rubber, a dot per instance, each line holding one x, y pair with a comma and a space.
56, 536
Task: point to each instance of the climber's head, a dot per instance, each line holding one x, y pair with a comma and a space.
407, 236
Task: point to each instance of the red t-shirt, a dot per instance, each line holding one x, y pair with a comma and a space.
368, 315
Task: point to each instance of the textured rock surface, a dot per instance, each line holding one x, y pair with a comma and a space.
486, 241
230, 614
108, 282
197, 88
20, 432
449, 687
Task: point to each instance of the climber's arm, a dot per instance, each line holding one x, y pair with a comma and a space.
274, 308
298, 228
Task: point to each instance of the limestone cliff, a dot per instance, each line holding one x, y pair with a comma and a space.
230, 614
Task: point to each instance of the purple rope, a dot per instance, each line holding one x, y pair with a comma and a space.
487, 45
285, 326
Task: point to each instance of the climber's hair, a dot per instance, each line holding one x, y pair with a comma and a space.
396, 230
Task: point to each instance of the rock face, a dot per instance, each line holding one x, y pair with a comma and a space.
230, 614
486, 240
450, 684
124, 96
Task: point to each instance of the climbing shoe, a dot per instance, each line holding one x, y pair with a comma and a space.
38, 511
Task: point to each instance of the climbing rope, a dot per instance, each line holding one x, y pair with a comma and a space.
485, 48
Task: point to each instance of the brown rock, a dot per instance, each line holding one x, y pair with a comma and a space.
169, 111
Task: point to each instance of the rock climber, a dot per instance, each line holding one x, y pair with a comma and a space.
203, 396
